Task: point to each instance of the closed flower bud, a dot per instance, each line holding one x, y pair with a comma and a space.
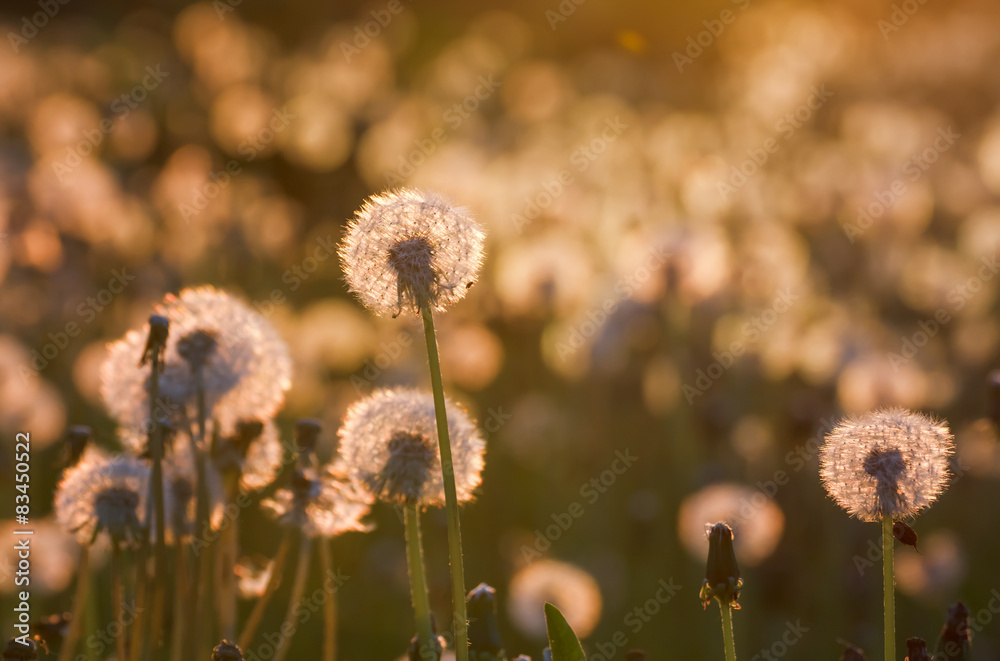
156, 341
484, 630
953, 645
18, 651
916, 650
307, 431
722, 576
227, 651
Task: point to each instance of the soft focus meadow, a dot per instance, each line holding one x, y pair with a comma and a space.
711, 231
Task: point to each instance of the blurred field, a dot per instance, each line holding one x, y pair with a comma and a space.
713, 229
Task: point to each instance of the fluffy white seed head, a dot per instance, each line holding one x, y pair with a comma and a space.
886, 463
408, 249
245, 365
323, 504
389, 443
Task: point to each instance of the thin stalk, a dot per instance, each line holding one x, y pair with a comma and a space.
330, 607
298, 586
418, 582
889, 587
203, 566
156, 478
181, 601
250, 628
79, 606
727, 630
117, 596
142, 588
450, 493
225, 567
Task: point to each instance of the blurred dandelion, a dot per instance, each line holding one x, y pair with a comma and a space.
571, 589
388, 443
245, 365
323, 505
756, 518
408, 250
103, 493
252, 449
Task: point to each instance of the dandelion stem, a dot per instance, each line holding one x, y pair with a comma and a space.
225, 566
727, 630
418, 582
450, 493
181, 601
272, 584
203, 565
298, 586
888, 586
117, 596
330, 607
156, 454
142, 589
79, 605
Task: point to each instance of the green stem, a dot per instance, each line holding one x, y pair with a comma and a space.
202, 566
727, 630
79, 606
117, 596
181, 601
888, 585
160, 567
330, 607
298, 587
450, 493
418, 583
250, 628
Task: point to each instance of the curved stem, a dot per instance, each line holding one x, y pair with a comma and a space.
418, 583
330, 607
298, 586
727, 631
250, 628
450, 493
117, 596
888, 585
79, 605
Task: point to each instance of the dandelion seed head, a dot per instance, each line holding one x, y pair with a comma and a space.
104, 493
890, 462
253, 448
571, 589
326, 504
408, 249
252, 578
389, 443
244, 364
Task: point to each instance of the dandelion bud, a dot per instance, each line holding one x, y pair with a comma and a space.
156, 341
307, 431
18, 651
425, 652
484, 630
953, 645
227, 651
916, 650
409, 250
889, 463
722, 577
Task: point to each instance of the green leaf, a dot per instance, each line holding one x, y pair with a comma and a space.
563, 643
